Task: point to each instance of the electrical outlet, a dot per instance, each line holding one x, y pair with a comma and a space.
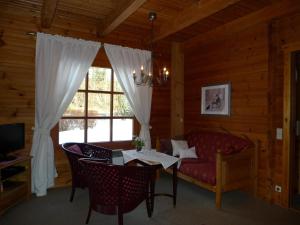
277, 188
279, 133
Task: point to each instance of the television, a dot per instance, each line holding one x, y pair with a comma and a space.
12, 138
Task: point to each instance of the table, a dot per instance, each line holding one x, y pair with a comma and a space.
156, 159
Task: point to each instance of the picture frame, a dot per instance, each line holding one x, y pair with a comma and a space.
215, 99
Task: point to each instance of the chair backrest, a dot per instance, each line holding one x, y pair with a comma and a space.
76, 151
116, 187
88, 150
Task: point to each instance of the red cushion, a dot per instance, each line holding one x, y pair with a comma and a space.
202, 171
191, 160
207, 144
76, 149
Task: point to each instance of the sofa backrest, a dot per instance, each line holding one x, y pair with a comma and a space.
207, 143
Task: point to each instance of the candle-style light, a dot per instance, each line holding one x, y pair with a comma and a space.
148, 79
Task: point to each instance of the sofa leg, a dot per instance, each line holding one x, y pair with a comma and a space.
219, 179
218, 199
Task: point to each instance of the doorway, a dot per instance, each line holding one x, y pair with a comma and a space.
295, 137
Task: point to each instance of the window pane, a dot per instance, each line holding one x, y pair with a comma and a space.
122, 129
99, 79
121, 106
98, 130
82, 85
76, 108
98, 104
71, 130
117, 86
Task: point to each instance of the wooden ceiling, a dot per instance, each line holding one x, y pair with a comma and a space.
178, 20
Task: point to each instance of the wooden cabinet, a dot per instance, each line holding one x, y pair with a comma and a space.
15, 182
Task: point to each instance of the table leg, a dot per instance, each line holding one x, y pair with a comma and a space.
174, 184
152, 193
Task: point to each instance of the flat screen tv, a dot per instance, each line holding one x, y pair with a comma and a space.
12, 138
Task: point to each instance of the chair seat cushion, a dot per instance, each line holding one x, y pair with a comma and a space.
199, 170
75, 149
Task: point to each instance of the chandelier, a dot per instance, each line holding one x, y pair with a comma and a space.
163, 73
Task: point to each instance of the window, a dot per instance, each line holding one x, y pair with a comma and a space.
99, 111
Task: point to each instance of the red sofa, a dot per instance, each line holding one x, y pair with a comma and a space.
225, 162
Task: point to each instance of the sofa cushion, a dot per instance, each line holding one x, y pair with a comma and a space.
187, 153
207, 143
199, 170
178, 145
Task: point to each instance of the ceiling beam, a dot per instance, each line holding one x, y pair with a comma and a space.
265, 14
48, 12
122, 11
191, 15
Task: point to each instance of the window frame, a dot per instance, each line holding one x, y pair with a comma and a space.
112, 93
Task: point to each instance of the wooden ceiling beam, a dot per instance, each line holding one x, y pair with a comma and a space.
122, 11
191, 15
48, 12
265, 14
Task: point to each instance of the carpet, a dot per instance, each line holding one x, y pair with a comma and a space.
195, 206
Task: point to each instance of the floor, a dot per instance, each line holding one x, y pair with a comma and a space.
195, 206
296, 202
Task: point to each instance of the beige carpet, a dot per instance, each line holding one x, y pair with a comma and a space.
195, 207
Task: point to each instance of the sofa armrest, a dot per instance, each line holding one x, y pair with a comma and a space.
232, 169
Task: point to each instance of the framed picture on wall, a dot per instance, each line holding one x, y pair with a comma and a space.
215, 99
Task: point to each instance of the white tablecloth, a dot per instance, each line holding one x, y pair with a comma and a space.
151, 157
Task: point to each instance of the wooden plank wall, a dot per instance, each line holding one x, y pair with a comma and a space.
177, 90
241, 60
285, 31
17, 76
252, 61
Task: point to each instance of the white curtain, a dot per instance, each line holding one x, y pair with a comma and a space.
60, 65
124, 61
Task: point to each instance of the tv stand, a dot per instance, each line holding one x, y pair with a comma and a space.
15, 181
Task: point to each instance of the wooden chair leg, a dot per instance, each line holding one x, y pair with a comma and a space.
72, 194
89, 215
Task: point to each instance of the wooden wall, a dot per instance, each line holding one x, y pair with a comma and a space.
252, 62
285, 31
241, 60
17, 74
